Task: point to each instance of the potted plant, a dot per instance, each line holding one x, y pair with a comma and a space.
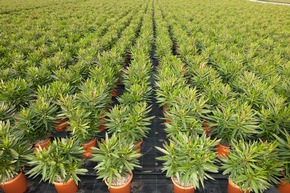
69, 76
6, 111
252, 166
274, 116
116, 158
135, 94
284, 157
14, 149
85, 111
180, 119
60, 164
130, 122
217, 92
17, 92
187, 161
37, 121
107, 73
38, 76
52, 92
233, 120
168, 87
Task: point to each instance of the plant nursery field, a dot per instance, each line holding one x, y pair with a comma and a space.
197, 91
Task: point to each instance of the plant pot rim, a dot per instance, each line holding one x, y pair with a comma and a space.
123, 185
181, 187
232, 183
61, 183
90, 141
12, 180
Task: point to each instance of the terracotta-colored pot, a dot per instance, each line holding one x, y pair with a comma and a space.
180, 189
88, 148
43, 144
102, 127
16, 185
114, 92
222, 151
125, 188
284, 188
138, 146
206, 126
233, 188
168, 121
68, 187
165, 107
61, 125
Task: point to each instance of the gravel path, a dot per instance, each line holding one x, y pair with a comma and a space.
275, 3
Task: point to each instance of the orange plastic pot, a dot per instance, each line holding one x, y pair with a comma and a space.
138, 146
168, 121
222, 151
114, 92
16, 185
102, 127
206, 126
233, 188
43, 144
165, 108
88, 148
61, 125
70, 186
125, 188
284, 188
180, 189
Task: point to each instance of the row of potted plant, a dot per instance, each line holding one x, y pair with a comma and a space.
271, 111
250, 118
128, 122
230, 62
57, 66
253, 166
81, 109
236, 112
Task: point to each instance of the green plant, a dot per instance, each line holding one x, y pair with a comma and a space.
284, 155
6, 112
14, 149
274, 116
107, 73
253, 90
54, 90
234, 120
130, 122
85, 109
17, 92
218, 93
38, 119
116, 158
188, 159
253, 166
181, 120
202, 75
137, 73
136, 93
168, 89
38, 76
66, 75
59, 162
